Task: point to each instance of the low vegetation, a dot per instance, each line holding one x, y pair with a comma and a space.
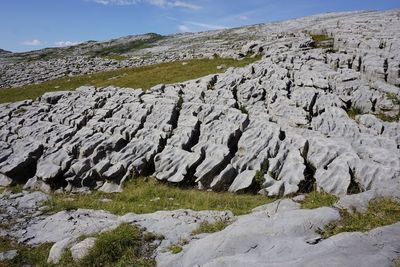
177, 248
27, 256
123, 246
121, 48
146, 196
316, 199
380, 212
116, 57
207, 227
354, 111
391, 118
140, 77
322, 41
259, 178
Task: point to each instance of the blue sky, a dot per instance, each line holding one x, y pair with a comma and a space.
34, 24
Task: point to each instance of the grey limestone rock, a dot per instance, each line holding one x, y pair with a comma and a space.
81, 249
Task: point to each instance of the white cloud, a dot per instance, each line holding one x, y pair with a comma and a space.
185, 5
205, 26
66, 43
243, 17
116, 2
34, 42
158, 3
184, 28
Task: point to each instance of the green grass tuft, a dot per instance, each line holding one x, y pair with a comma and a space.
315, 200
206, 227
141, 77
388, 118
175, 249
322, 41
123, 246
141, 196
354, 111
27, 256
380, 212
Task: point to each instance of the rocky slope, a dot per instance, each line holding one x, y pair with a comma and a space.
89, 57
277, 127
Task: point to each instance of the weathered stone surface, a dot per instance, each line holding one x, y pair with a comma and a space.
81, 249
8, 255
58, 249
287, 237
291, 118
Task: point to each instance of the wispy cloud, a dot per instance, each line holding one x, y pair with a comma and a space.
66, 43
185, 5
184, 28
243, 17
115, 2
34, 42
205, 25
158, 3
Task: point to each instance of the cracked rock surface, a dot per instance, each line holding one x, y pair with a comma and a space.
286, 113
277, 127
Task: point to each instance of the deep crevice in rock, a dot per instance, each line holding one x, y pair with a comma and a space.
354, 186
308, 184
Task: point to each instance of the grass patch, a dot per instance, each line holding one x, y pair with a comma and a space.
13, 188
141, 196
315, 200
321, 41
131, 46
116, 57
396, 101
175, 249
27, 256
19, 111
141, 77
380, 212
123, 246
354, 111
384, 117
206, 227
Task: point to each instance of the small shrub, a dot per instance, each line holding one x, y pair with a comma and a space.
315, 200
380, 212
207, 227
259, 178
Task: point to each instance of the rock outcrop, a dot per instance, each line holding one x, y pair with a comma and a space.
276, 127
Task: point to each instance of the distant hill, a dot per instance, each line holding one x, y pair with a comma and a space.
2, 51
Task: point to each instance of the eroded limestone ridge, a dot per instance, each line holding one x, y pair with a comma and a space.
371, 38
276, 127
